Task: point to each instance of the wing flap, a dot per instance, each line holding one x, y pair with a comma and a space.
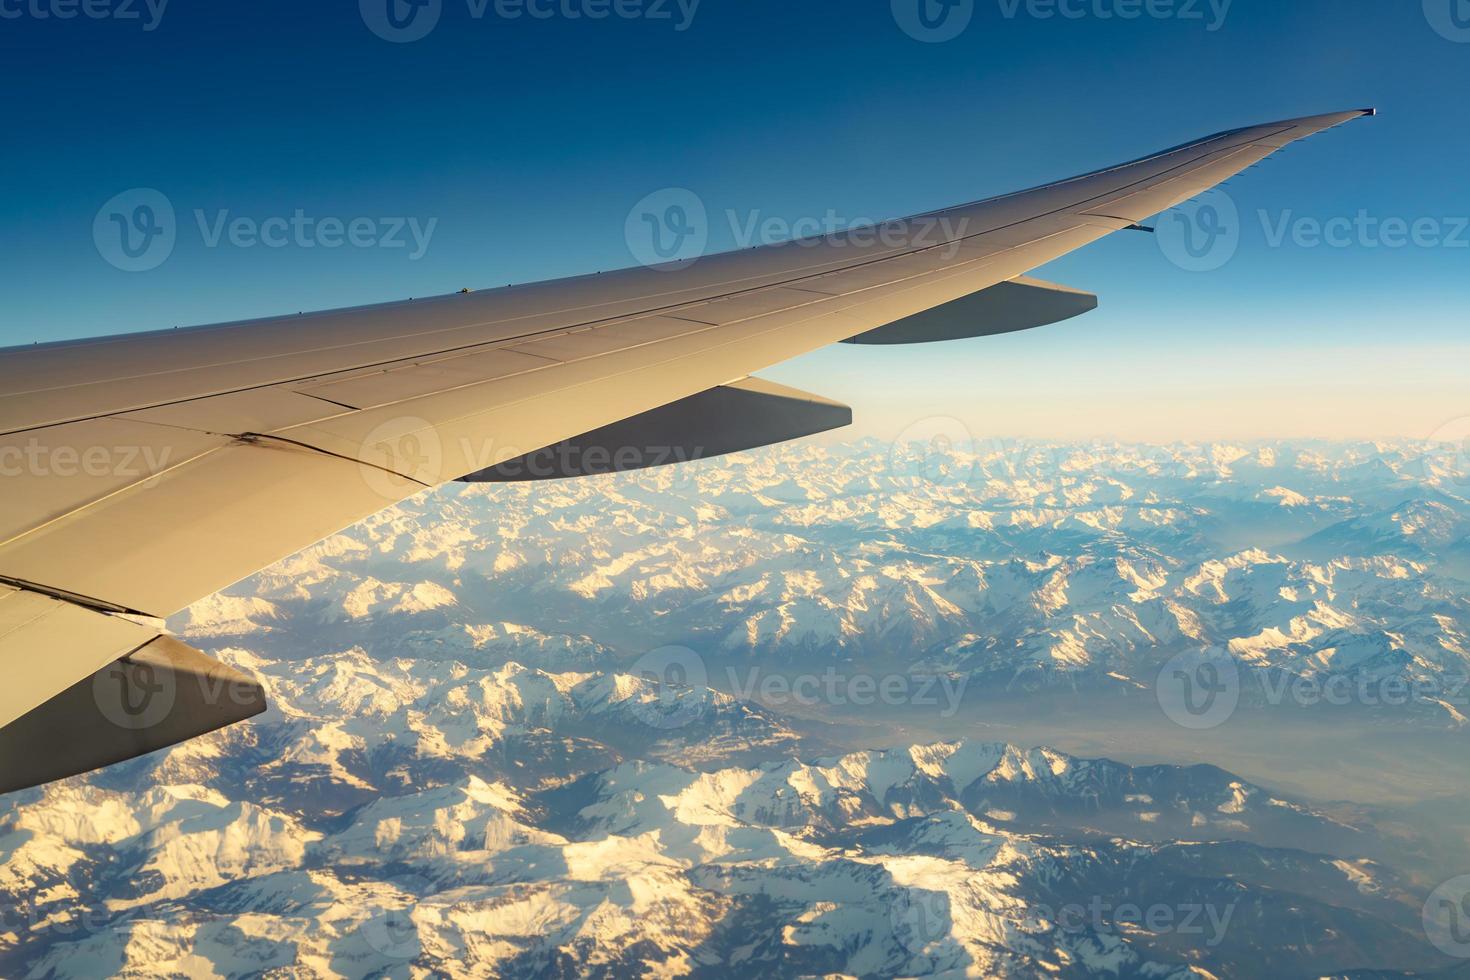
1007, 307
47, 643
732, 418
160, 695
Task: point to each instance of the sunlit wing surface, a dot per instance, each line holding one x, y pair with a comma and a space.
148, 471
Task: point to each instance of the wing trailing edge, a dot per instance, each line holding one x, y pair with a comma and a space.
157, 696
745, 414
1008, 307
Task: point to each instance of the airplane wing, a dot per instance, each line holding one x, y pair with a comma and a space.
145, 472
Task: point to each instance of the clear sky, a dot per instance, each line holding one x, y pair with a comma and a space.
516, 136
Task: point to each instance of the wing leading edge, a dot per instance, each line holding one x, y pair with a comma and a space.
224, 449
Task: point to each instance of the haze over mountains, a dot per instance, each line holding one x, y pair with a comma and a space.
739, 718
1070, 566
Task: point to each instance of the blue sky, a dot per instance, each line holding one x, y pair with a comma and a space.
518, 145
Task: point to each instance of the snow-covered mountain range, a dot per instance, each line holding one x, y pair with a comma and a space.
496, 746
1071, 566
420, 818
